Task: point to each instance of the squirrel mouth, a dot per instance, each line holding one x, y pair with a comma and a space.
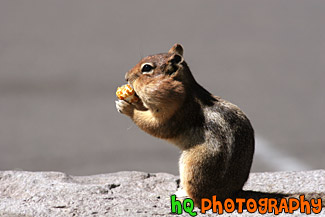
135, 92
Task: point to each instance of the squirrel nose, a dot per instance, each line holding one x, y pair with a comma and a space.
126, 77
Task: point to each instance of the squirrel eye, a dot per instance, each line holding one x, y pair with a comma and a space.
146, 68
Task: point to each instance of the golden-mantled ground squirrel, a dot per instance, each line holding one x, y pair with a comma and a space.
215, 136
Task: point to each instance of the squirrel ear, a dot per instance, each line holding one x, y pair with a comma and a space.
176, 49
175, 59
174, 63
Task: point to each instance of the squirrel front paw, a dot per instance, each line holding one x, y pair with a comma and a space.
124, 107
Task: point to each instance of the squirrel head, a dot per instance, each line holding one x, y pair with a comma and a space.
170, 64
161, 78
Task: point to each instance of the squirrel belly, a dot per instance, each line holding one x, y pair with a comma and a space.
215, 136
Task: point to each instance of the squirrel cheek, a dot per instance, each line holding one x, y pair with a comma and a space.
166, 92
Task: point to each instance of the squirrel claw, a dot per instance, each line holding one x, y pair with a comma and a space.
124, 107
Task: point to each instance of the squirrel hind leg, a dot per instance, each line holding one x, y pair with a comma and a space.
203, 177
199, 192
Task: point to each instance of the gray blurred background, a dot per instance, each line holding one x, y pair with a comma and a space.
61, 62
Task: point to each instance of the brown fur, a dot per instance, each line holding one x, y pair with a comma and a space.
215, 136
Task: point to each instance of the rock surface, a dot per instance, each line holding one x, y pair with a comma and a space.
129, 193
